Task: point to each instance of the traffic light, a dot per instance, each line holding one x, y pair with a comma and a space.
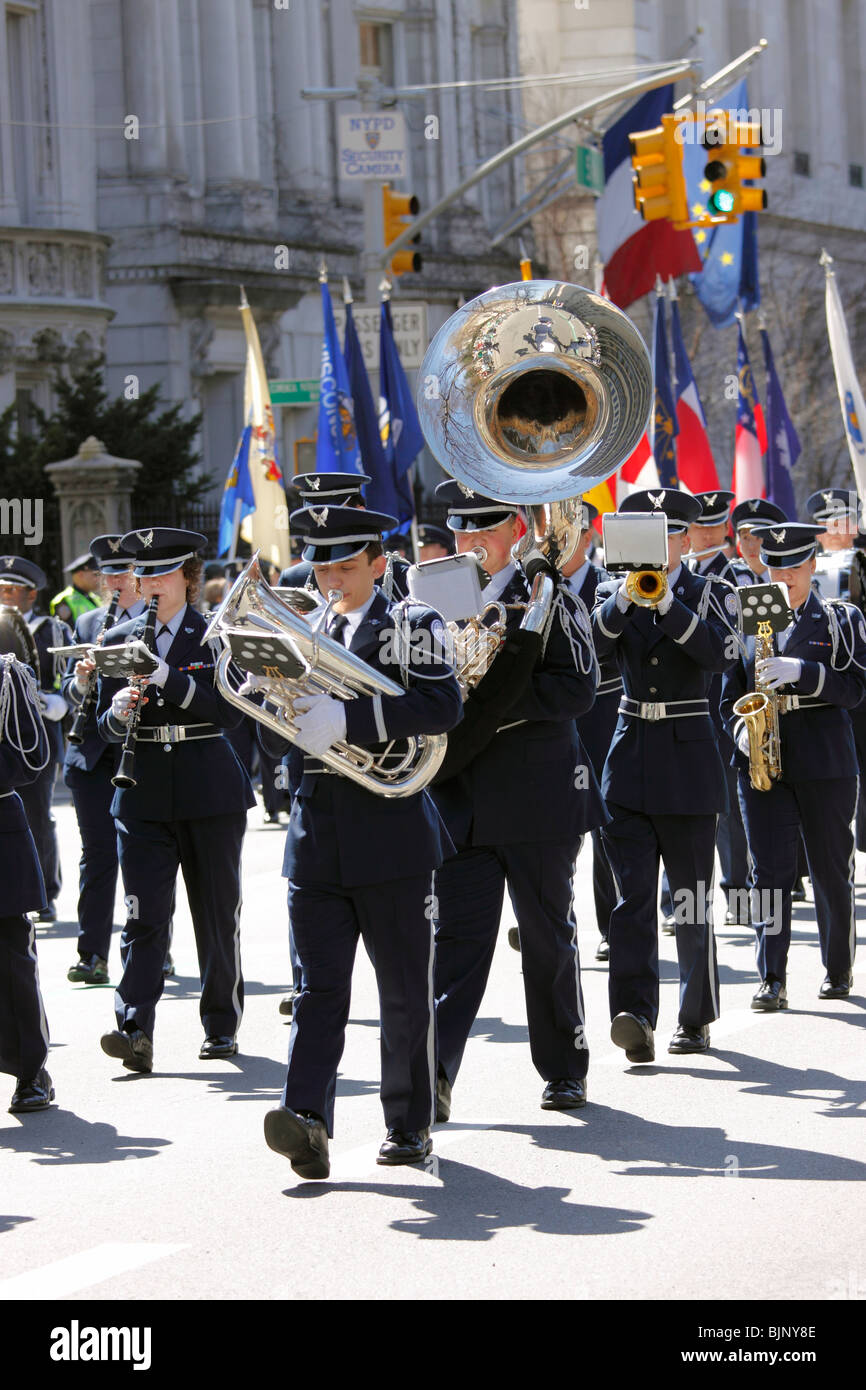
657, 162
397, 209
728, 168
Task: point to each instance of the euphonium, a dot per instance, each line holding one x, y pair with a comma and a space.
646, 587
759, 712
328, 668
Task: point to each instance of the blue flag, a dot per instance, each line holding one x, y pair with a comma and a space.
337, 439
783, 444
378, 494
398, 419
238, 496
665, 426
730, 250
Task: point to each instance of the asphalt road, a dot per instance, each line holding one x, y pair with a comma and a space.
727, 1176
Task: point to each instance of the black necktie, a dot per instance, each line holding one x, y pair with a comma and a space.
164, 628
336, 628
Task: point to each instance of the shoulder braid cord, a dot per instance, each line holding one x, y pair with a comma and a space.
402, 645
838, 611
710, 599
575, 623
386, 583
15, 696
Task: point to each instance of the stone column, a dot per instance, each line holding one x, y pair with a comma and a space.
222, 95
94, 489
144, 70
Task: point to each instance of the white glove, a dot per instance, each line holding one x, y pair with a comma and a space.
251, 683
139, 650
83, 670
322, 721
53, 706
623, 602
743, 741
667, 602
779, 670
124, 703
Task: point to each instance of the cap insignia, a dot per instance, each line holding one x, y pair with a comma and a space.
146, 540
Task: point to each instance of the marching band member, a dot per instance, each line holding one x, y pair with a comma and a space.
434, 542
595, 727
819, 675
517, 814
359, 864
20, 582
340, 490
25, 748
89, 767
744, 518
187, 808
664, 784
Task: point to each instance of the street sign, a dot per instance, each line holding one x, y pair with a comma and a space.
590, 168
410, 331
294, 392
373, 145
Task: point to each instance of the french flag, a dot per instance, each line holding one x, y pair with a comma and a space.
750, 443
634, 251
695, 463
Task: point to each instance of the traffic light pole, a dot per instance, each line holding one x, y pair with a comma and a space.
374, 238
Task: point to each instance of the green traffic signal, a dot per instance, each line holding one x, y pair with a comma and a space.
721, 201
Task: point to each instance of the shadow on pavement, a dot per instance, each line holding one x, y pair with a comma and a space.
758, 1075
8, 1223
59, 1137
472, 1204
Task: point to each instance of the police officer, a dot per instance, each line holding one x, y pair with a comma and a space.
819, 674
81, 595
664, 783
89, 767
24, 748
748, 514
517, 813
341, 490
359, 864
595, 727
20, 582
186, 810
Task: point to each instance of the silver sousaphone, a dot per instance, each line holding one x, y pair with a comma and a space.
534, 393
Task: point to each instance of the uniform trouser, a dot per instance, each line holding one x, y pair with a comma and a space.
731, 840
273, 796
23, 1029
394, 920
37, 797
97, 878
858, 723
603, 886
470, 889
209, 853
823, 811
636, 843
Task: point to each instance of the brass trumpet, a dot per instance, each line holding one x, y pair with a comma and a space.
646, 588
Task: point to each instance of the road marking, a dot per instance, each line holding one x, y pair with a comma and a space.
76, 1272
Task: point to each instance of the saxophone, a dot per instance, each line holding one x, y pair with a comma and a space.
760, 714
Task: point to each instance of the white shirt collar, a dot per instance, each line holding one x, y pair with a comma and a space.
132, 610
576, 581
499, 583
174, 623
353, 619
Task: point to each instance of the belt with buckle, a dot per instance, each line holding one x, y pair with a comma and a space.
663, 709
177, 733
788, 704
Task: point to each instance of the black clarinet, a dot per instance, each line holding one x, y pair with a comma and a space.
76, 733
123, 776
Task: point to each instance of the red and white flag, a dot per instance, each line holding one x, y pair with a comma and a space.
695, 463
750, 444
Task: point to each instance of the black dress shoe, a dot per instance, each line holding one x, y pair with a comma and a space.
603, 949
37, 1093
690, 1039
837, 986
567, 1094
272, 818
798, 892
402, 1147
300, 1137
632, 1032
443, 1098
89, 970
514, 938
135, 1050
669, 926
46, 914
168, 966
287, 1003
215, 1046
771, 997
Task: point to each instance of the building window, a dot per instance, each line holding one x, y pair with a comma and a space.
855, 175
802, 163
377, 52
